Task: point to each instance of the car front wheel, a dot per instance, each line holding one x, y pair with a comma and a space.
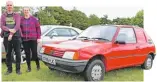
51, 69
94, 71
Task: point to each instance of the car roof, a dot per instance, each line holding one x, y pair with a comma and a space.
120, 26
61, 26
57, 26
127, 26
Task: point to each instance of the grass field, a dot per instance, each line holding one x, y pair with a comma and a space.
44, 74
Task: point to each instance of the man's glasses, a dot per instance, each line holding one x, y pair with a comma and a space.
9, 5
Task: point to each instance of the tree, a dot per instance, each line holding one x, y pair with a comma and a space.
122, 21
93, 20
16, 9
62, 16
79, 19
58, 15
45, 18
105, 20
115, 21
138, 19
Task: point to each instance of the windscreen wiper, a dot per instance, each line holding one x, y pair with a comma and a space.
100, 38
84, 37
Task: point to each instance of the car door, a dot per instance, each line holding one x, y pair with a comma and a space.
122, 54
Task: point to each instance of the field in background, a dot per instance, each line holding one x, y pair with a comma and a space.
44, 74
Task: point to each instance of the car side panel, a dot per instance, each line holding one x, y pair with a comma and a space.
142, 46
121, 56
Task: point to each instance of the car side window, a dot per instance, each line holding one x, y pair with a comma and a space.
108, 33
73, 32
127, 35
59, 32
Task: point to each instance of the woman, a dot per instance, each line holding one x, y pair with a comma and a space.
30, 28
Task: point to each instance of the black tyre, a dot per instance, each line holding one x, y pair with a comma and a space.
51, 69
94, 71
148, 63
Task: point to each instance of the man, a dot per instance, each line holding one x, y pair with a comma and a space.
10, 25
31, 31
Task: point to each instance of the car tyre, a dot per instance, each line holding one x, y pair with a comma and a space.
148, 63
94, 71
51, 69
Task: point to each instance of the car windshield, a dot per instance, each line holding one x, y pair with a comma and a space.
44, 29
98, 33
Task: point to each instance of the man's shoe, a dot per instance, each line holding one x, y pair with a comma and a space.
28, 70
8, 72
18, 72
38, 68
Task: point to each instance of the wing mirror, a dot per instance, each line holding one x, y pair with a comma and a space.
53, 34
73, 38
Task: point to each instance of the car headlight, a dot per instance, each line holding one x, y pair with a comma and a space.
42, 50
71, 55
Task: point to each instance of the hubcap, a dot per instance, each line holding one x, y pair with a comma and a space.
96, 72
23, 56
23, 59
149, 62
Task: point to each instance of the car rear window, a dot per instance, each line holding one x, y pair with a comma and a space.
140, 35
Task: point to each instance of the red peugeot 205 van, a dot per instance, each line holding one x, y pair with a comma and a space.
100, 48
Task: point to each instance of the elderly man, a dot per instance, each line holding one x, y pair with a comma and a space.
10, 25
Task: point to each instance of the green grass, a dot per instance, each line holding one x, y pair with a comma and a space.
44, 74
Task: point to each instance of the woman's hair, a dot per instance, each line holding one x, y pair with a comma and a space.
26, 7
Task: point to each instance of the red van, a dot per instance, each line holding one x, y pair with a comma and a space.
99, 49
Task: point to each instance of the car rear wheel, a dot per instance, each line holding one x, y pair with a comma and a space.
94, 71
148, 63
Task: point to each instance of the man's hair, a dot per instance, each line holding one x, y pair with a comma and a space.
9, 1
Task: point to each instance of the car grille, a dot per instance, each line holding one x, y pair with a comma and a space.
58, 53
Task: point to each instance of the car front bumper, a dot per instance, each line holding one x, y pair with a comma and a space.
66, 65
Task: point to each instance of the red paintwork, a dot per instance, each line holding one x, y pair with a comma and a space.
116, 55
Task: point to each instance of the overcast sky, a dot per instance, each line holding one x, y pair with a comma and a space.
112, 12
